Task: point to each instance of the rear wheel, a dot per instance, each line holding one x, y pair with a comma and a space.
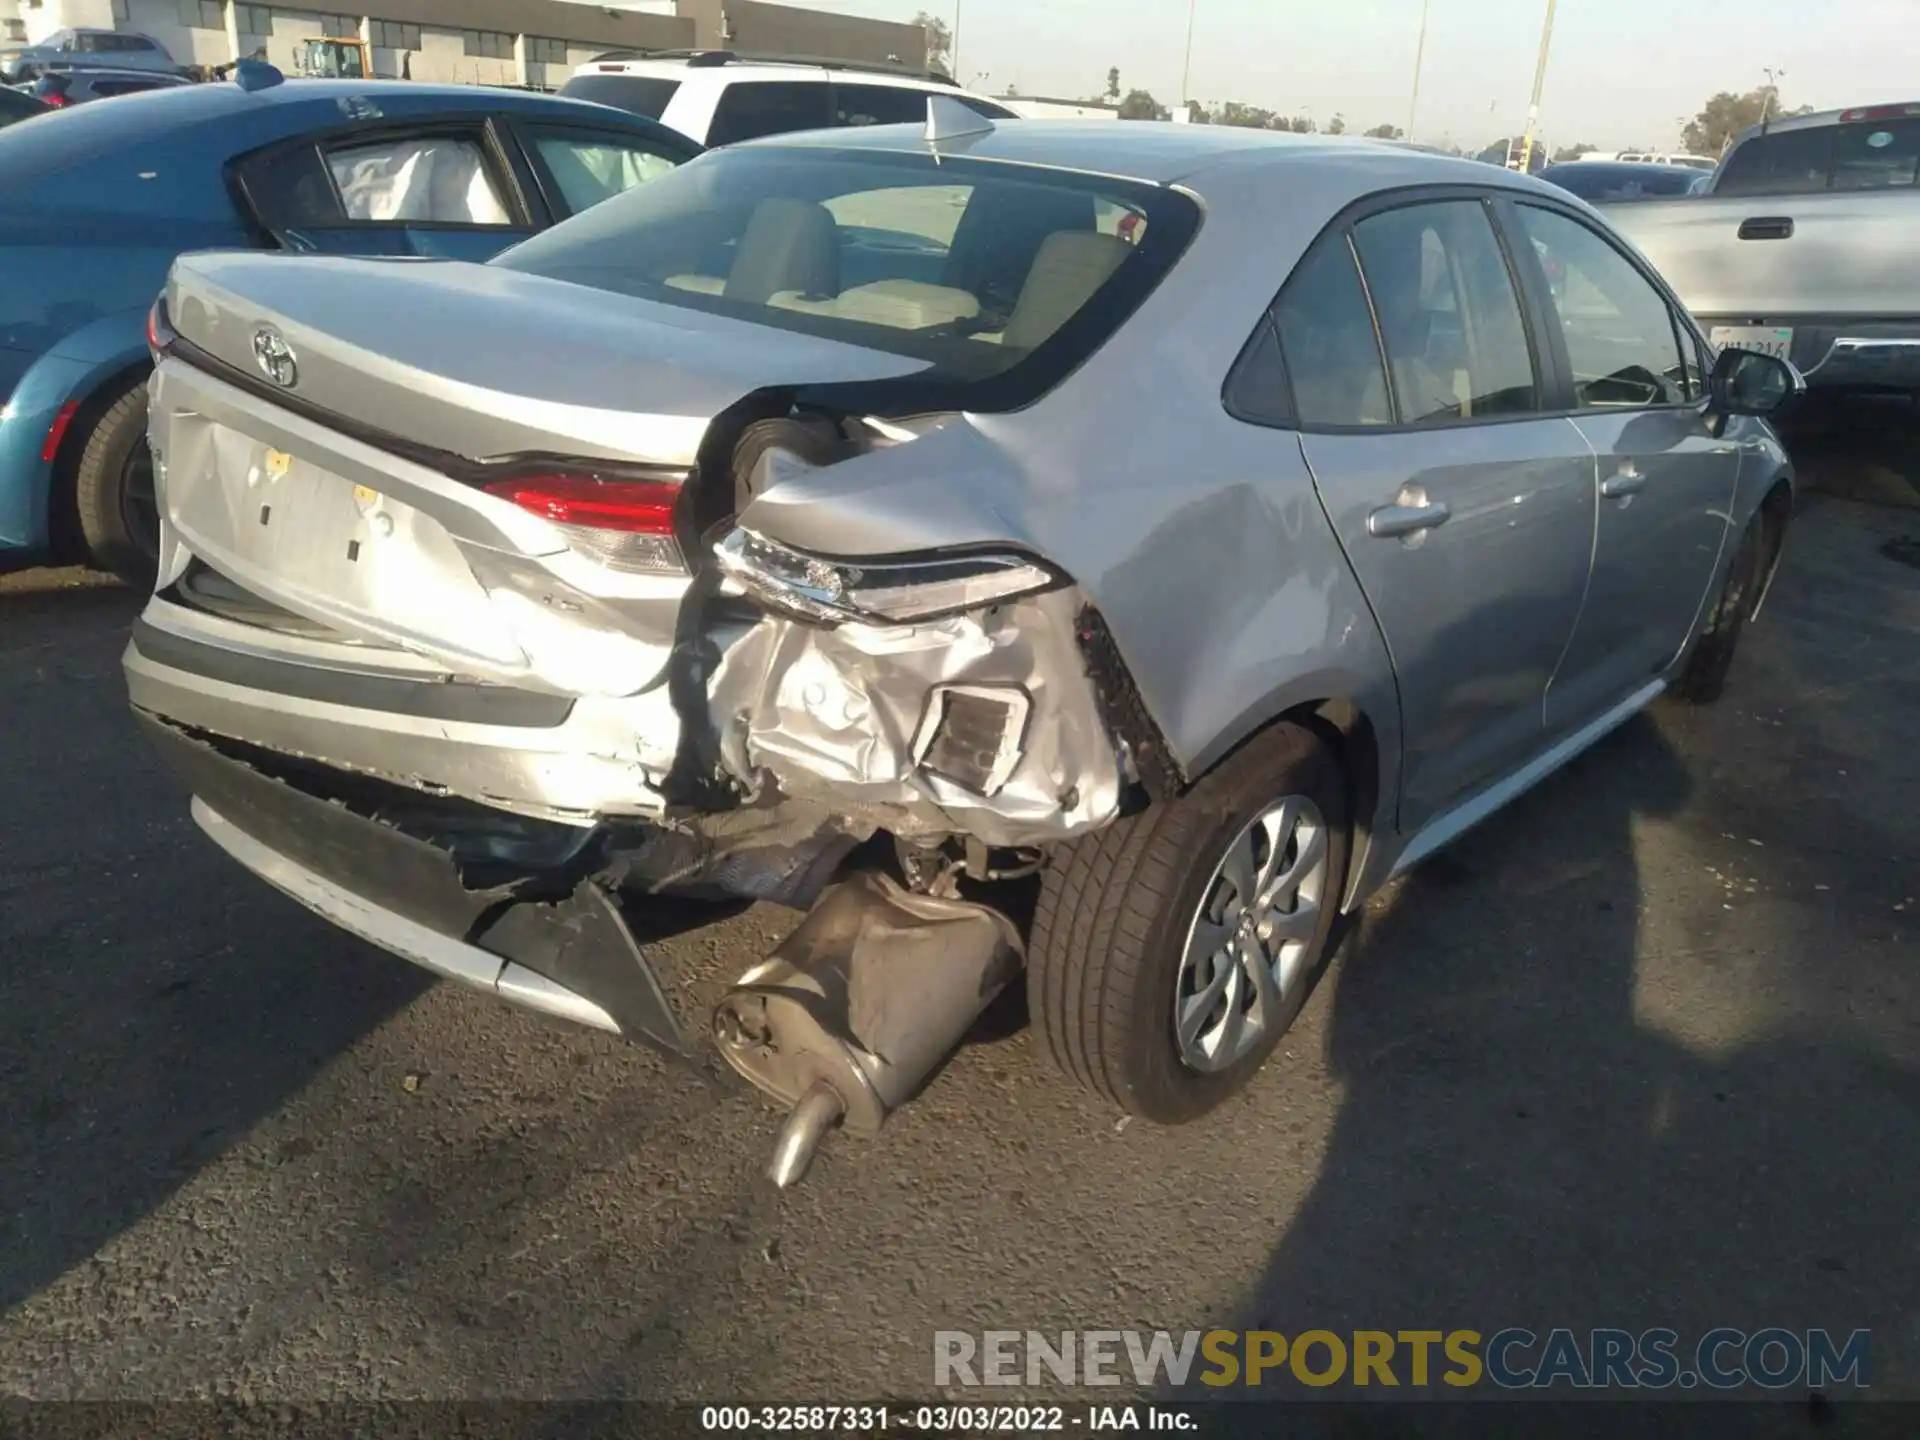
1172, 950
113, 490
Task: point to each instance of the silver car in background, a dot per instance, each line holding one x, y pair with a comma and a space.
1171, 531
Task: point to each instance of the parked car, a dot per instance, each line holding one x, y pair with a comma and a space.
120, 49
18, 105
1666, 157
1621, 180
720, 98
1801, 246
308, 165
63, 87
695, 546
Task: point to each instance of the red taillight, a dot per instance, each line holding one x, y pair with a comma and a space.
55, 101
633, 507
1880, 112
57, 431
623, 524
153, 327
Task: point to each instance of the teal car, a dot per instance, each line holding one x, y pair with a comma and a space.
101, 198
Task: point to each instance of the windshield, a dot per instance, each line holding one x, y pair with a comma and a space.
976, 267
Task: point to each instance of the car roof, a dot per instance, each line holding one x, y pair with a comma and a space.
117, 72
243, 119
1161, 152
683, 68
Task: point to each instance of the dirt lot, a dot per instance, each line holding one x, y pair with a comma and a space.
1644, 1050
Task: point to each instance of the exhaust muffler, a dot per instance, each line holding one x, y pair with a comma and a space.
857, 1008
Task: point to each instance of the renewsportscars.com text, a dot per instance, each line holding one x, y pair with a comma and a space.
1514, 1358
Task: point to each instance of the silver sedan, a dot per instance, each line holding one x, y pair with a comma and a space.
1107, 552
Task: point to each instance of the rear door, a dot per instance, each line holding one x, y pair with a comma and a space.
1665, 484
451, 189
1465, 510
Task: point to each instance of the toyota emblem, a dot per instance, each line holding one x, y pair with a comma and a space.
275, 357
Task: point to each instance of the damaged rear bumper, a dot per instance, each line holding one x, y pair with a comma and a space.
523, 918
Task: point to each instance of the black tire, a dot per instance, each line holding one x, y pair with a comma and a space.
1703, 677
113, 489
1111, 927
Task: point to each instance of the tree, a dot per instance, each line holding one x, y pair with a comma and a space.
1725, 115
1113, 83
939, 40
1386, 132
1337, 125
1298, 124
1198, 113
1573, 152
1250, 117
1139, 105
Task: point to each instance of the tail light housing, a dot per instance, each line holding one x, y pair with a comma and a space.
627, 525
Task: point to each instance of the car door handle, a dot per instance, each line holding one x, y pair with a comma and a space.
1392, 520
1627, 482
1767, 227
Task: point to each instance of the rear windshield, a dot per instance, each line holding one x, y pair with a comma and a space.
997, 275
642, 94
1621, 182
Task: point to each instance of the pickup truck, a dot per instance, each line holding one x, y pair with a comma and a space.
1803, 247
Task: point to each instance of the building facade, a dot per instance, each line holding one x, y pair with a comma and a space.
535, 43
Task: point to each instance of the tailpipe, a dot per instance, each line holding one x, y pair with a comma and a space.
857, 1008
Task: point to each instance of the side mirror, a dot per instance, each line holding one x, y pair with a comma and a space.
1747, 382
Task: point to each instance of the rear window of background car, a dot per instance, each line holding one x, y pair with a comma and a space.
647, 95
1876, 156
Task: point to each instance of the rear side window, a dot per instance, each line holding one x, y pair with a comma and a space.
751, 109
646, 95
588, 168
412, 179
1456, 343
1876, 156
878, 105
1326, 336
1786, 162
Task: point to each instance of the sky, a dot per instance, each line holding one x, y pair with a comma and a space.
1621, 73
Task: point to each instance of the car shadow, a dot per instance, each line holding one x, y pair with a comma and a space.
1637, 1052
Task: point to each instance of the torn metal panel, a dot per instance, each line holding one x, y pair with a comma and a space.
863, 716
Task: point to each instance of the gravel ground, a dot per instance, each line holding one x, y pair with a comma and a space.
1642, 1050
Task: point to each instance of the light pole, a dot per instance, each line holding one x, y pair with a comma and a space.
953, 60
1419, 55
1539, 84
1186, 69
1771, 94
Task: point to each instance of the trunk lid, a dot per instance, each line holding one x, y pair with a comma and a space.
329, 488
482, 362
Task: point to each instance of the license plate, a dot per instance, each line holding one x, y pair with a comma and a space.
1775, 340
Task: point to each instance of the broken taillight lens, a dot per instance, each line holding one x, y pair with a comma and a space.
626, 525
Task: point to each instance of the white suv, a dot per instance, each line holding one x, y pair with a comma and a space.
719, 98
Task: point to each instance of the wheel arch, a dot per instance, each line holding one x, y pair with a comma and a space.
93, 397
1775, 513
1352, 730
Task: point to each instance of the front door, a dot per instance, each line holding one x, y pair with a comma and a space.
1664, 483
1466, 513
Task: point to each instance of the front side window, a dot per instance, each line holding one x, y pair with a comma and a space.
1455, 340
970, 266
1621, 337
1876, 156
1326, 337
590, 168
751, 109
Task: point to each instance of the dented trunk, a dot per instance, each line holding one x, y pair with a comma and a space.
368, 555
